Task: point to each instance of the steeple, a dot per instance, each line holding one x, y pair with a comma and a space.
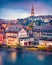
32, 11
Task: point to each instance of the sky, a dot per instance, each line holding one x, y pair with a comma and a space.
14, 9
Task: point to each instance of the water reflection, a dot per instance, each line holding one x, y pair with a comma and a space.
41, 57
24, 58
12, 56
1, 59
19, 53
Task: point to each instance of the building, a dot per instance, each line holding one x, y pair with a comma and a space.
17, 35
1, 35
26, 41
23, 33
43, 31
12, 35
45, 42
24, 38
11, 39
1, 39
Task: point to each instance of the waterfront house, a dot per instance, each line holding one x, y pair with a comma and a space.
11, 39
45, 42
1, 35
23, 33
1, 38
17, 35
12, 35
24, 38
26, 41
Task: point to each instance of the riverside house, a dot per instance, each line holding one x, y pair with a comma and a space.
24, 38
18, 35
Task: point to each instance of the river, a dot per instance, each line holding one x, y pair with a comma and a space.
25, 58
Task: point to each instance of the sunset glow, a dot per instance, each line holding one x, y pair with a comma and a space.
21, 9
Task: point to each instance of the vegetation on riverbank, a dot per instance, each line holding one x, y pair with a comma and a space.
38, 48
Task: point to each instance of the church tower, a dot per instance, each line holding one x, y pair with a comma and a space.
32, 11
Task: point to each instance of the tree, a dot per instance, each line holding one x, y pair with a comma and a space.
31, 25
50, 22
39, 22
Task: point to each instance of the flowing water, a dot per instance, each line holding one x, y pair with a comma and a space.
8, 57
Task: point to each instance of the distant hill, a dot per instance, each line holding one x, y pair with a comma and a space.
37, 20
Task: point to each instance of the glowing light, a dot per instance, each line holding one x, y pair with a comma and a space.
1, 63
4, 25
1, 38
41, 57
13, 56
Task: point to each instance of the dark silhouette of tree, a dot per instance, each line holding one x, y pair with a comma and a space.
50, 22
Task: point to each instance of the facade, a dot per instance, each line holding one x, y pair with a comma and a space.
45, 42
1, 35
16, 35
27, 41
1, 38
23, 33
24, 38
43, 31
11, 39
11, 35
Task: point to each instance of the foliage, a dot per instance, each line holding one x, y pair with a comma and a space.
31, 25
19, 45
43, 48
0, 45
49, 48
31, 49
50, 22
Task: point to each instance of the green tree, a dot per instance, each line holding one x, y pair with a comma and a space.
31, 25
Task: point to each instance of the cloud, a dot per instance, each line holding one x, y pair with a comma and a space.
22, 9
13, 14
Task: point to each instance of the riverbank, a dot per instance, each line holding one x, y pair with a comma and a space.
39, 48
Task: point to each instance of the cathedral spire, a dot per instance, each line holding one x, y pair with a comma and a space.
32, 11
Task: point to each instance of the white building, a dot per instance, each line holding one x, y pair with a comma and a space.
22, 33
27, 41
45, 42
24, 38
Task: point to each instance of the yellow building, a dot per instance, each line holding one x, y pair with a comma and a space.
11, 39
1, 39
